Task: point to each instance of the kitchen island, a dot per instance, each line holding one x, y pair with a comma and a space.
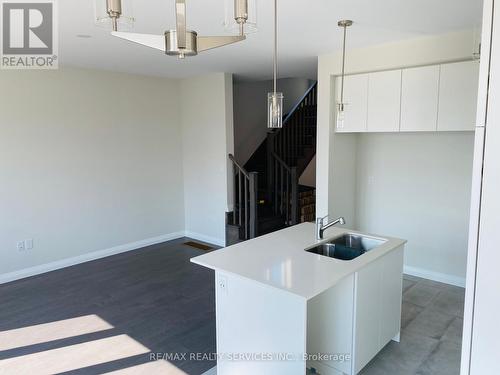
281, 309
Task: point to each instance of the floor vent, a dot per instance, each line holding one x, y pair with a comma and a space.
199, 246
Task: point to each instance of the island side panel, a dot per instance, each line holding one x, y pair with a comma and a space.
392, 296
330, 323
256, 320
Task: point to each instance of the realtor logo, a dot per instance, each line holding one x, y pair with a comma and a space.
29, 34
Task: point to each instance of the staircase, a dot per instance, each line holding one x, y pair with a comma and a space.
307, 205
276, 166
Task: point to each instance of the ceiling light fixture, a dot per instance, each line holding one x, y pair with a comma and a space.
275, 99
341, 105
114, 14
239, 14
182, 42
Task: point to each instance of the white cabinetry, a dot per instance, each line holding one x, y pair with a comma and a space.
356, 102
458, 96
335, 325
419, 99
384, 101
430, 98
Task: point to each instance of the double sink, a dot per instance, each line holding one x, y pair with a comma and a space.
347, 247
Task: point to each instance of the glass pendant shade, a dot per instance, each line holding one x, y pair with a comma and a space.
126, 19
230, 23
274, 110
340, 116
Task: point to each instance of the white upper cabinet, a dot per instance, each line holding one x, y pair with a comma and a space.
458, 96
384, 101
429, 98
356, 102
419, 99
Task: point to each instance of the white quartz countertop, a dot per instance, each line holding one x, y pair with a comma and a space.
279, 260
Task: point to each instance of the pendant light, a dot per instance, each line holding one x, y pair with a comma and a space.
181, 41
275, 99
341, 105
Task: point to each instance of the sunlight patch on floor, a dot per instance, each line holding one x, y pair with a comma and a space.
74, 356
212, 371
40, 333
151, 368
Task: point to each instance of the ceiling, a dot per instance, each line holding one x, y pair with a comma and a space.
307, 29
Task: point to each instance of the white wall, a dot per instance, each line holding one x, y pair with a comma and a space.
89, 161
95, 163
414, 186
206, 116
344, 178
250, 111
308, 177
417, 187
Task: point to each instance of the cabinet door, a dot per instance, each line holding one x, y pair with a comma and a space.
458, 96
329, 326
384, 101
378, 289
356, 102
368, 309
419, 99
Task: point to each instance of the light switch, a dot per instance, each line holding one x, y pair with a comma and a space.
28, 244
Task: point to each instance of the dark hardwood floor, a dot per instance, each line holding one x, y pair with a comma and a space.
154, 296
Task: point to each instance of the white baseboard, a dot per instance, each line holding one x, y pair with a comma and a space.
207, 239
43, 268
435, 276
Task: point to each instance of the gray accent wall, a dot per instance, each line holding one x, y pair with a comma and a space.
250, 111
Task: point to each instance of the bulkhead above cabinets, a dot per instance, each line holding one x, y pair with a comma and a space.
429, 98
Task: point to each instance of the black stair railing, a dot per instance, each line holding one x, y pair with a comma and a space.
245, 200
285, 147
285, 190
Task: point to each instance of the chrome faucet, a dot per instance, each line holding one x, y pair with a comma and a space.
321, 226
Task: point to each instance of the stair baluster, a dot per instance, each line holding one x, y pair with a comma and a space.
245, 200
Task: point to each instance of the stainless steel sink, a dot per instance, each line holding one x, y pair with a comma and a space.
347, 247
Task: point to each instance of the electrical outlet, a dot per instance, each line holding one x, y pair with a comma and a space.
20, 246
222, 281
28, 244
